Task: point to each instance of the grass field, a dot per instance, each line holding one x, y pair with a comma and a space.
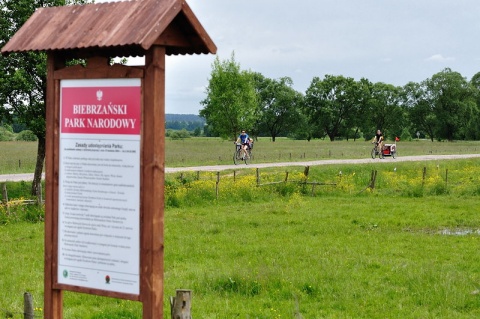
296, 257
406, 249
21, 156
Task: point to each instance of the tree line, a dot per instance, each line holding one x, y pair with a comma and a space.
443, 107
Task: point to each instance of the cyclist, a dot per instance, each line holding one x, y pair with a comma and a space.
245, 141
378, 139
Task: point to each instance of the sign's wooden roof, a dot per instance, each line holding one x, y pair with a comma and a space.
126, 28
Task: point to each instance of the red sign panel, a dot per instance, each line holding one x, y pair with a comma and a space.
101, 110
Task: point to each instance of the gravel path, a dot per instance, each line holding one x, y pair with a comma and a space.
216, 168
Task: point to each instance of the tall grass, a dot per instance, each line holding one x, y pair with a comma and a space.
18, 157
393, 179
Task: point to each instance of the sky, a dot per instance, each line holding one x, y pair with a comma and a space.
390, 41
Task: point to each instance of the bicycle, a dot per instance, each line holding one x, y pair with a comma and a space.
241, 154
377, 151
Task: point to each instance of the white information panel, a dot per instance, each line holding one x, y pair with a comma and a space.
99, 184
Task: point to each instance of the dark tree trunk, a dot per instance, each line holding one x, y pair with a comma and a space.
37, 177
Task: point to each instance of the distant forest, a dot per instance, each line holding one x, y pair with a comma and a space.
189, 122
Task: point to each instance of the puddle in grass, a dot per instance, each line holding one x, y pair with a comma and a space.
459, 232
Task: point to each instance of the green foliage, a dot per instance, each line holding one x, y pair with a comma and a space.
453, 102
179, 135
6, 134
279, 106
230, 105
329, 102
406, 135
26, 136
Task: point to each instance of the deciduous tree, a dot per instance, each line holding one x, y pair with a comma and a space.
279, 105
231, 104
330, 102
453, 100
23, 75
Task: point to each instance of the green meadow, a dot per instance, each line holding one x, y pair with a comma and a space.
279, 244
19, 157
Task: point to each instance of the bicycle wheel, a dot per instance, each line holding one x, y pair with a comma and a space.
374, 152
237, 157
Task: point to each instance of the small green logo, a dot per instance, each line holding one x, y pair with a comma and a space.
65, 273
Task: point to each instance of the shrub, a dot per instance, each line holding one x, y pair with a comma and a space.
6, 134
177, 135
26, 136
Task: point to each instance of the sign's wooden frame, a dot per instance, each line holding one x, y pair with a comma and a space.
152, 177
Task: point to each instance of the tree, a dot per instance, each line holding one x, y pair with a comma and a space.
23, 76
419, 108
473, 130
279, 105
384, 111
453, 100
230, 105
331, 102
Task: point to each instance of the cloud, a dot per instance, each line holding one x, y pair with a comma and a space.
440, 58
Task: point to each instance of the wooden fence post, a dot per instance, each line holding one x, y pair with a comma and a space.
373, 179
424, 175
258, 176
446, 178
306, 171
28, 306
216, 184
286, 176
181, 304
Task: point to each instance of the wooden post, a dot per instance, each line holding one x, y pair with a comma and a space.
446, 178
53, 298
153, 176
424, 175
181, 304
286, 176
373, 179
258, 176
28, 306
216, 185
234, 176
306, 171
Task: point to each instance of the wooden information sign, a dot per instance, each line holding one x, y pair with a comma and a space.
105, 152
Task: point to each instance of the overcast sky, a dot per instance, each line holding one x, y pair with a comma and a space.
391, 41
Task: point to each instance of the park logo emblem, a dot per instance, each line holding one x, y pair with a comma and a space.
65, 273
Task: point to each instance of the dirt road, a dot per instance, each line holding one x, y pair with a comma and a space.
216, 168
